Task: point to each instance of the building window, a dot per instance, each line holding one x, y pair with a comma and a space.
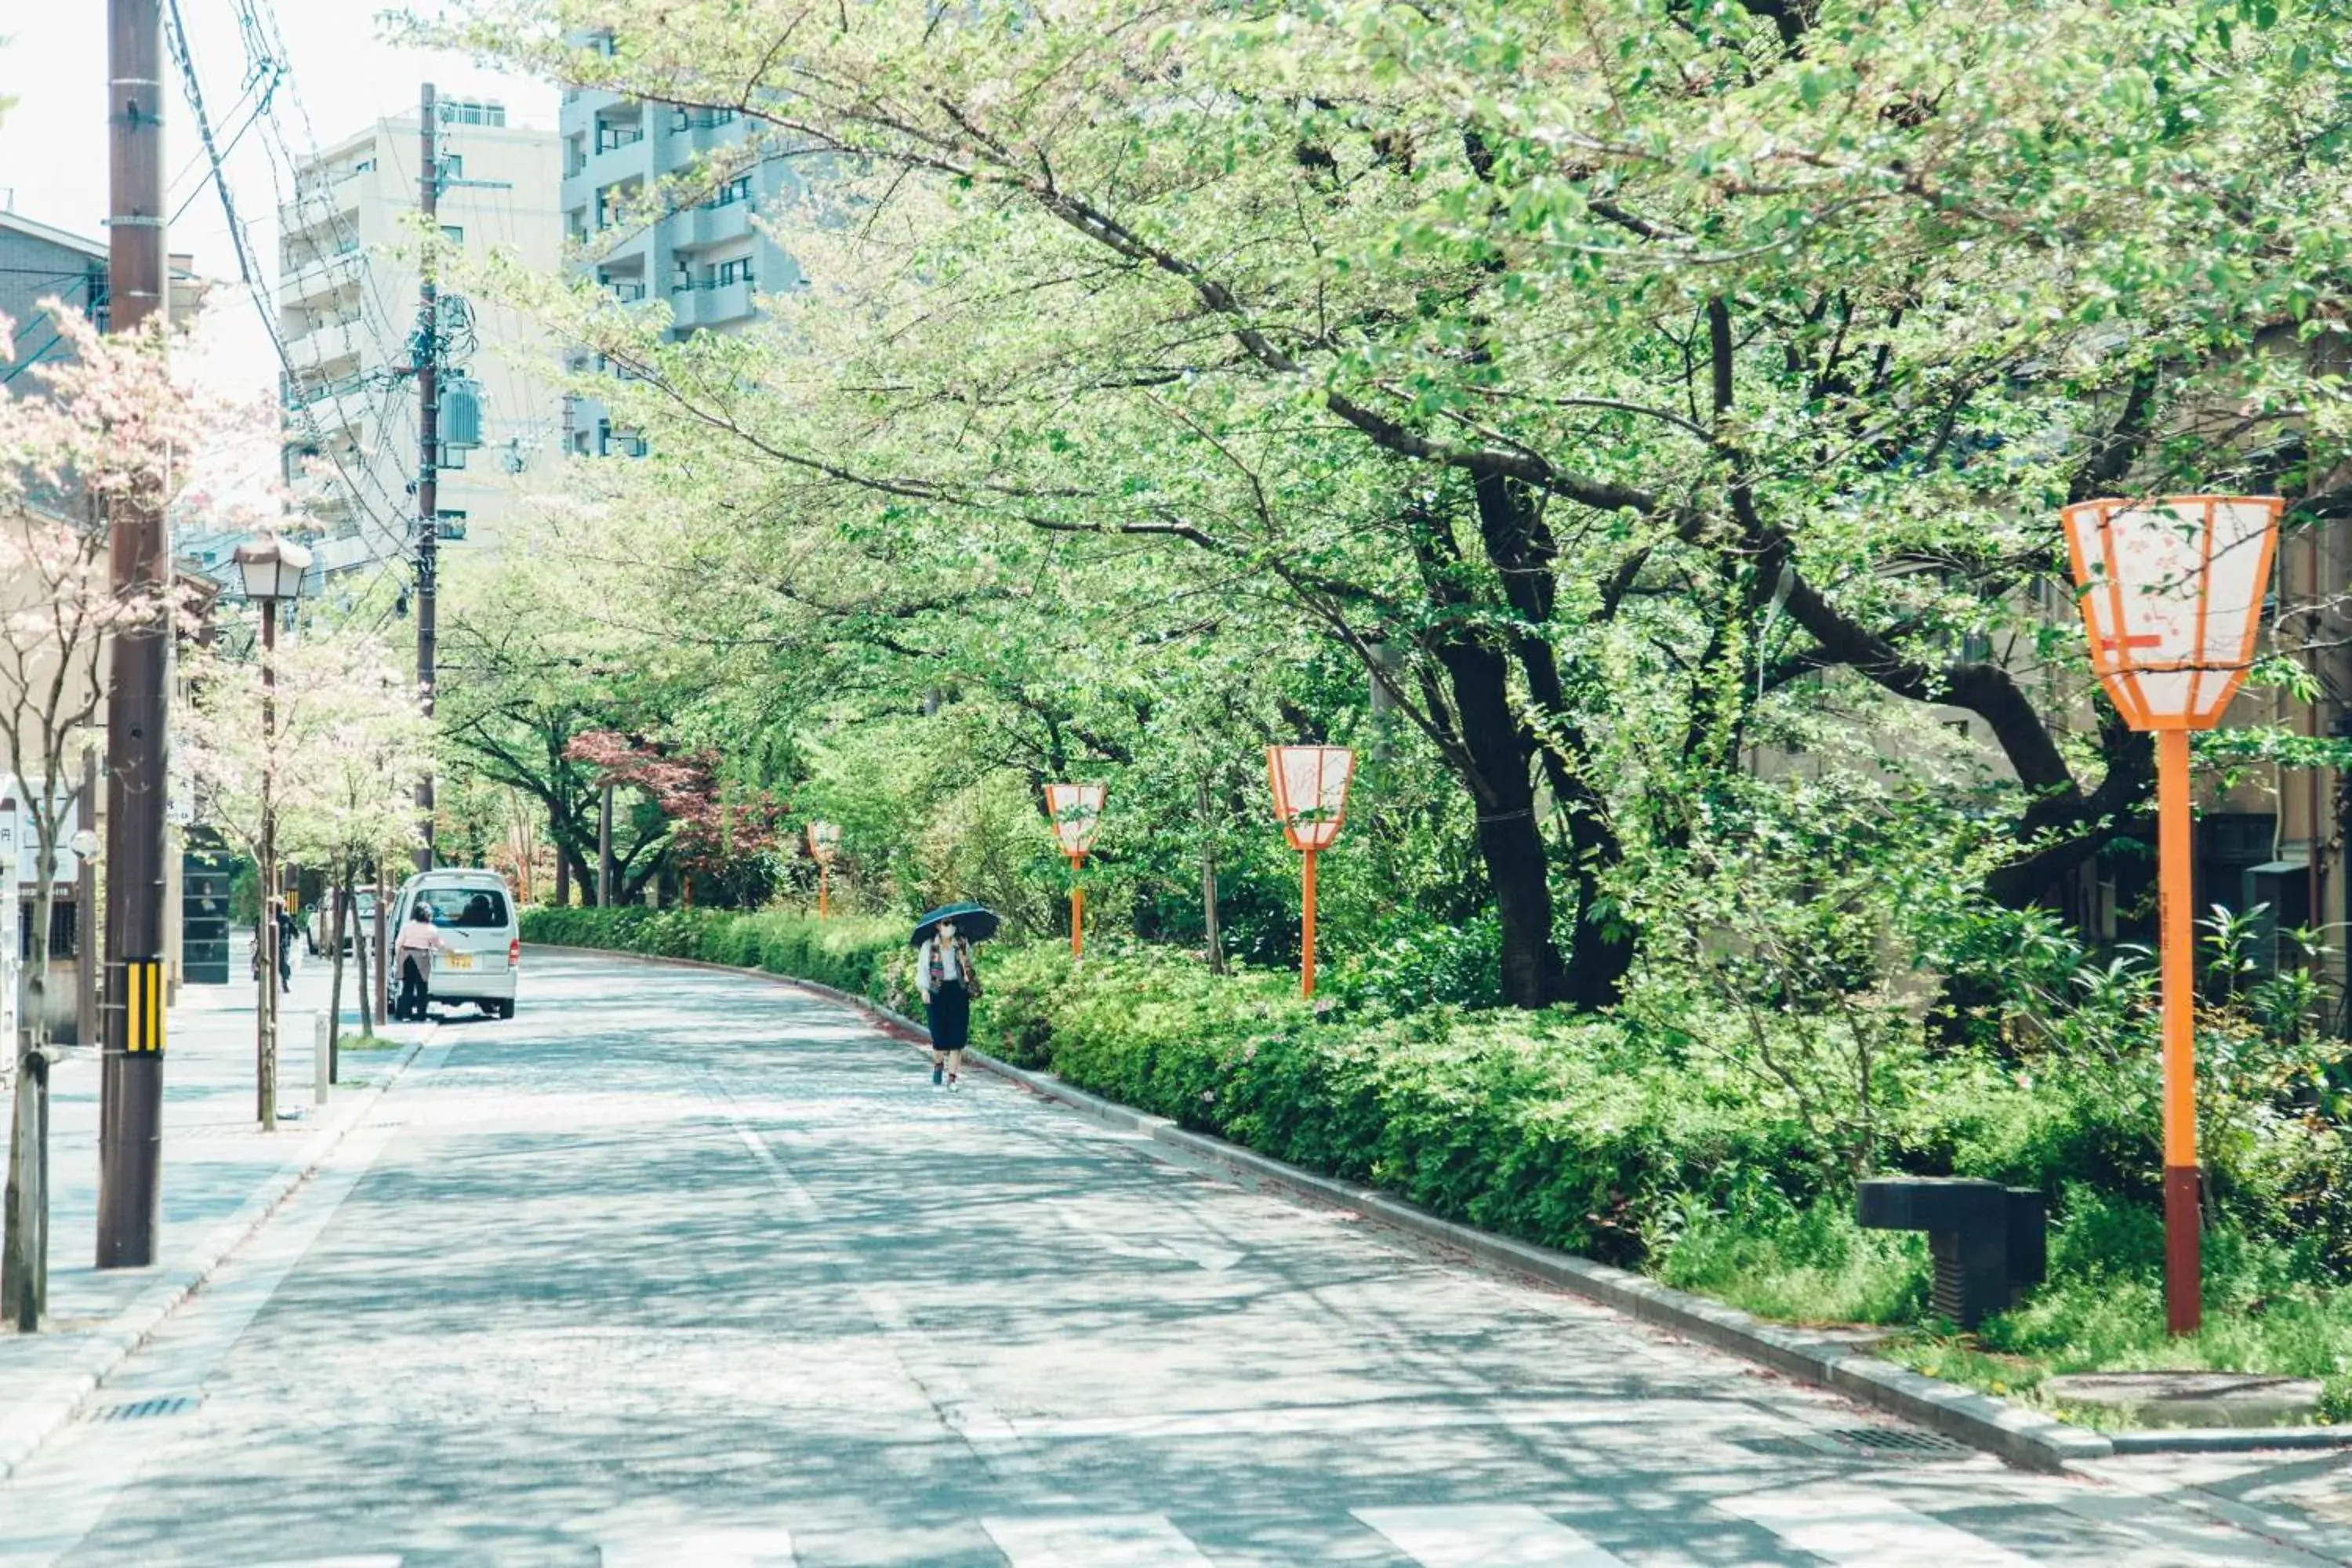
576, 155
473, 111
603, 437
736, 272
449, 524
453, 166
454, 458
576, 221
735, 190
611, 135
453, 233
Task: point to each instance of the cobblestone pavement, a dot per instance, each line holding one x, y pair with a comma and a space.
677, 1268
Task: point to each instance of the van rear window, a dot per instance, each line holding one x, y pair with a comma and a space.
466, 908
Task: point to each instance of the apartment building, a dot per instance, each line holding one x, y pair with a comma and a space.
707, 260
348, 314
38, 263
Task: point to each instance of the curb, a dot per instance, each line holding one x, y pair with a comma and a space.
23, 1431
2022, 1437
2228, 1439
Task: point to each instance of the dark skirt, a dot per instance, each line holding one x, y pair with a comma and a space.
950, 1010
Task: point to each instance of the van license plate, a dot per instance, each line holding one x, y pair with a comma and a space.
460, 960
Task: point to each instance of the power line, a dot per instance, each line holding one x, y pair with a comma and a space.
176, 37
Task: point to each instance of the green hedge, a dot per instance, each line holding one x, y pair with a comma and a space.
865, 957
1560, 1130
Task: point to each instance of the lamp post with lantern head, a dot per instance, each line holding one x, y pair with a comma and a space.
2171, 591
824, 843
1310, 800
1076, 812
272, 569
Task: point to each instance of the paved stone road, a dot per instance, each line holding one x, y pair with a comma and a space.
681, 1268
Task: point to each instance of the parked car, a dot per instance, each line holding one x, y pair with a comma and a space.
474, 915
319, 932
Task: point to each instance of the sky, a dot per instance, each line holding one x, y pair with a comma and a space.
52, 152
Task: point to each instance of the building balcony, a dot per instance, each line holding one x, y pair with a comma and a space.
324, 357
616, 163
708, 306
318, 276
715, 226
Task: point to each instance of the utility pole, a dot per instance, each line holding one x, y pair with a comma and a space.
429, 438
131, 1090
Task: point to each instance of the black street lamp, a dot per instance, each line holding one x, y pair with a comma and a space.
273, 569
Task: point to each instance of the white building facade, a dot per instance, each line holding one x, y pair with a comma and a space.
709, 261
348, 314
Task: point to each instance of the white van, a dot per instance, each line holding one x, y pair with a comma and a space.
361, 923
475, 917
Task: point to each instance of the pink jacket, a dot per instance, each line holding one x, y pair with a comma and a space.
415, 936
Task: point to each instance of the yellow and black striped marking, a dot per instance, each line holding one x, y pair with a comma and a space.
143, 988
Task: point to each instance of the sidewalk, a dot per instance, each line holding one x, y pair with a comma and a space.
222, 1177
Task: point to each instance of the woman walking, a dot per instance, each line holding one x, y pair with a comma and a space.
944, 974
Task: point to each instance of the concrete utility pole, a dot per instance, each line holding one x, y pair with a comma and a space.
131, 1093
428, 439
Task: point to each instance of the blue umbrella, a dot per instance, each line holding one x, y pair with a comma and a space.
974, 921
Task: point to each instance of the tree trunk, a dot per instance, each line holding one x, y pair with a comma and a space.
23, 1292
563, 878
1510, 841
606, 872
1216, 940
1519, 544
342, 897
24, 1245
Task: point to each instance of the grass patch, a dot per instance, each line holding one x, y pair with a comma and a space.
1811, 1264
2270, 1308
368, 1043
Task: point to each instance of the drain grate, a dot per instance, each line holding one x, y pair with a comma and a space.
1896, 1442
145, 1409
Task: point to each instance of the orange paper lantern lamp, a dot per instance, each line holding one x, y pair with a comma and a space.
824, 843
2172, 592
1310, 801
1076, 812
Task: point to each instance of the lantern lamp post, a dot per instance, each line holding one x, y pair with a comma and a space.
2171, 590
824, 843
1076, 812
272, 569
1310, 801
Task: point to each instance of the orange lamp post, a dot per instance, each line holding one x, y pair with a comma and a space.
2171, 594
1076, 812
824, 843
1310, 800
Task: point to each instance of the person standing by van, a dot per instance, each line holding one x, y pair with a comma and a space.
419, 940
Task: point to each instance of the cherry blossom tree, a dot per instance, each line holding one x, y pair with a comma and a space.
339, 767
94, 434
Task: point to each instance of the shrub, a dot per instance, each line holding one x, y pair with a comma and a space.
862, 956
